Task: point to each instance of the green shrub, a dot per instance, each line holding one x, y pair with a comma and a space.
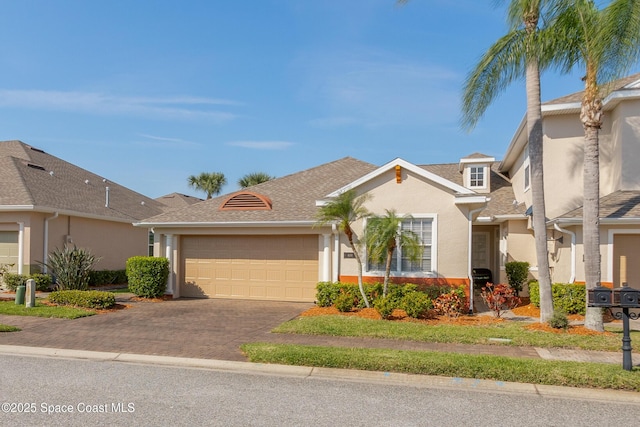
434, 291
567, 297
416, 304
107, 277
517, 274
559, 320
326, 293
147, 276
344, 302
44, 282
385, 306
71, 267
13, 280
86, 299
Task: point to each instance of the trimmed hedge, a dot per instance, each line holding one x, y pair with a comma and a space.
568, 298
86, 299
107, 277
43, 281
147, 275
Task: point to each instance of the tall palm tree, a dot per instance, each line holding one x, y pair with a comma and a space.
210, 183
383, 235
254, 178
344, 210
521, 52
606, 42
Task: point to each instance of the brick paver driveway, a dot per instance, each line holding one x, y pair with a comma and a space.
200, 328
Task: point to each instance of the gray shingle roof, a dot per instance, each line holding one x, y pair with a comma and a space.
31, 177
577, 96
293, 196
177, 200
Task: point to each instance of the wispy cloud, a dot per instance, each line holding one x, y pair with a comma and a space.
262, 145
179, 107
152, 140
373, 88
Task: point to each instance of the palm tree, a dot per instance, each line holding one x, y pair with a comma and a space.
210, 183
521, 52
344, 210
254, 178
383, 235
606, 42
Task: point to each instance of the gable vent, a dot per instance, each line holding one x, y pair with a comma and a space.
246, 201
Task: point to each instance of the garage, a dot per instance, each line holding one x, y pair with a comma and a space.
9, 249
627, 245
280, 267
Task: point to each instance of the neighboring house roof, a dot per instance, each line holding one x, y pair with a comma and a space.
628, 83
292, 198
34, 180
178, 200
618, 206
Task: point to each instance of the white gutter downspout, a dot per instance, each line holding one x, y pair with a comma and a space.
573, 250
336, 253
469, 247
21, 248
46, 241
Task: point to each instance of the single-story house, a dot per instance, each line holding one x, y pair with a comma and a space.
46, 203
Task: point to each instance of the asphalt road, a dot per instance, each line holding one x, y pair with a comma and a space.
76, 392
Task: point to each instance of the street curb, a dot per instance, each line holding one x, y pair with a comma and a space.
334, 374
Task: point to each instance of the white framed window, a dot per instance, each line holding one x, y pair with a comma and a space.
151, 240
425, 227
477, 176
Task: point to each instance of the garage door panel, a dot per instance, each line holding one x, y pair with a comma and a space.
260, 267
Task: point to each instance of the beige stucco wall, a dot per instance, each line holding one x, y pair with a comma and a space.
418, 197
627, 155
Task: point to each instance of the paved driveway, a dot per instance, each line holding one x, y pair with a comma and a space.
200, 328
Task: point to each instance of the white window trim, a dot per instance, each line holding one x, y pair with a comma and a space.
434, 253
526, 167
485, 175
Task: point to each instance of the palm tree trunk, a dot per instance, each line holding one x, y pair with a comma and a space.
591, 116
360, 285
534, 129
387, 272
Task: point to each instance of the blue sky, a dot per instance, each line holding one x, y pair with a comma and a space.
146, 93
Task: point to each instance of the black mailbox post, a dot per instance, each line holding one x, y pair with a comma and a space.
625, 298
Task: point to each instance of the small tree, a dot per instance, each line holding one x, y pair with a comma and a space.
499, 298
71, 267
517, 274
383, 235
344, 210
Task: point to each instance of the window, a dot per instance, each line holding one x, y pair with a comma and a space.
151, 239
424, 228
476, 177
527, 170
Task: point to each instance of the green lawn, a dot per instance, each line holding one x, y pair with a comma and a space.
40, 310
8, 328
451, 333
498, 368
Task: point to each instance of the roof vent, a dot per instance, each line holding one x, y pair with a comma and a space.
36, 149
246, 201
34, 166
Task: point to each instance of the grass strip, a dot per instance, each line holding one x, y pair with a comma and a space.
498, 368
8, 328
10, 308
513, 331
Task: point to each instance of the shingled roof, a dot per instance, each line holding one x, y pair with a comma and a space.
617, 205
34, 180
617, 85
178, 200
292, 197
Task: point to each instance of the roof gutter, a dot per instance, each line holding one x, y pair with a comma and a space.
256, 224
32, 208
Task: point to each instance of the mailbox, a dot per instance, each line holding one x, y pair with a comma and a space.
599, 297
626, 297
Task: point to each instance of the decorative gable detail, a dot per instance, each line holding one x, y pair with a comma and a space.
246, 201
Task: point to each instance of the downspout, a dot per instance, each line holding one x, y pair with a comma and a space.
46, 241
336, 253
469, 255
21, 248
573, 250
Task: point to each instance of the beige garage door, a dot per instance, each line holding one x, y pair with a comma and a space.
629, 246
9, 249
283, 268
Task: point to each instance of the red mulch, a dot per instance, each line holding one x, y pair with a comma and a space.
432, 319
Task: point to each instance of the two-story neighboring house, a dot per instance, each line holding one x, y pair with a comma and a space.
563, 169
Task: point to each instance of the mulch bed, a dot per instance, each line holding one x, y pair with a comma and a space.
397, 315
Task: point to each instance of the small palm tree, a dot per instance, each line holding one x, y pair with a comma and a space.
210, 183
383, 235
254, 178
344, 210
